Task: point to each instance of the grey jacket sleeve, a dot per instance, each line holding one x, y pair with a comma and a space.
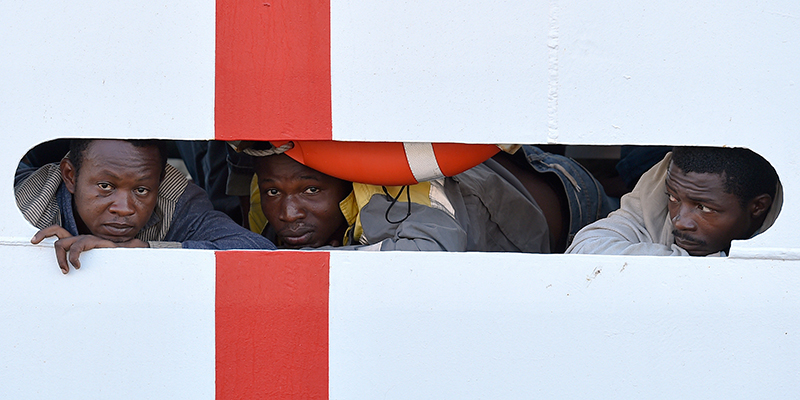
497, 212
621, 233
427, 228
196, 225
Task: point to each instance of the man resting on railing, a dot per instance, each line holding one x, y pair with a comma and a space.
122, 193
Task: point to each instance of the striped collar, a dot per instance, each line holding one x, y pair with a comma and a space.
44, 201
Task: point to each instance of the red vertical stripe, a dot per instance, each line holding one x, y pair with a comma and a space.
272, 325
273, 74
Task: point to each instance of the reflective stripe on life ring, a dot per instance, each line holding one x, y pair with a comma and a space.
422, 161
388, 163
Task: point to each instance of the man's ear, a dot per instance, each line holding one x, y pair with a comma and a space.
68, 174
760, 205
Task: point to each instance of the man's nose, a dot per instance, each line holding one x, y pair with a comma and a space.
292, 209
122, 204
684, 220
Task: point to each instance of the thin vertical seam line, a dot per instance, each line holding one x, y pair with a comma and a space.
552, 72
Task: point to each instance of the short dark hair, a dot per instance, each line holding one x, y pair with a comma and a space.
78, 146
746, 173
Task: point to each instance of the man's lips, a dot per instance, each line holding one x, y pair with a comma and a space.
685, 242
296, 239
693, 246
118, 229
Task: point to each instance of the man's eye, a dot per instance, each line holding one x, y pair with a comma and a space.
142, 190
104, 185
704, 208
671, 198
271, 192
312, 190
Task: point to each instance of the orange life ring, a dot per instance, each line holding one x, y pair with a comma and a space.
388, 163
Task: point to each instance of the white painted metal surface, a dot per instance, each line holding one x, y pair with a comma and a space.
398, 71
678, 72
139, 323
511, 326
131, 324
107, 69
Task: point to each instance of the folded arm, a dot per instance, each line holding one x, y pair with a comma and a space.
196, 225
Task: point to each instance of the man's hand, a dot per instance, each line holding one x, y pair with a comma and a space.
74, 245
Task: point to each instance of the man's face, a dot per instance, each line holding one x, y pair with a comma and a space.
300, 203
704, 217
116, 188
